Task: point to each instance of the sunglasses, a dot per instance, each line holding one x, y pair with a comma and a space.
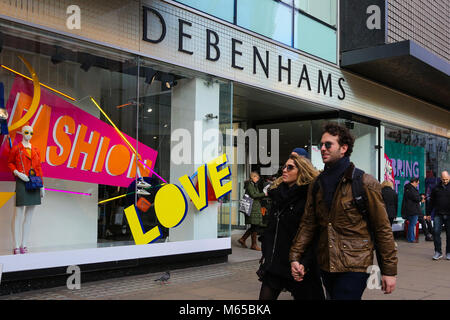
288, 167
327, 145
28, 132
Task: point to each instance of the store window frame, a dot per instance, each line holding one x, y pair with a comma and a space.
343, 118
116, 64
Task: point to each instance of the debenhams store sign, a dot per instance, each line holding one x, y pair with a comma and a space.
228, 56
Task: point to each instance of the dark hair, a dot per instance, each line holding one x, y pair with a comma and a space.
414, 179
344, 136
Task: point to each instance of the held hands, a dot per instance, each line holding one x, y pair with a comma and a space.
388, 284
297, 271
21, 176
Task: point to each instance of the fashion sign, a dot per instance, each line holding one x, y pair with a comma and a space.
74, 144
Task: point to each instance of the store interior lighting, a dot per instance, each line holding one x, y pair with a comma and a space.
168, 80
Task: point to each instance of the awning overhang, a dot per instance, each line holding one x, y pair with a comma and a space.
404, 66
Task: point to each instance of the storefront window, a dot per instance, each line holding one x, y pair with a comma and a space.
103, 124
307, 135
414, 154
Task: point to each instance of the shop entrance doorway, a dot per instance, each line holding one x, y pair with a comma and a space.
297, 124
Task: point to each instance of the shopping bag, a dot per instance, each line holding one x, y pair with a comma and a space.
245, 205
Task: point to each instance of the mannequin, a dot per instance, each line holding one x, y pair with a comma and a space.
22, 158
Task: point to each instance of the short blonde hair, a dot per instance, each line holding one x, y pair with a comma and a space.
387, 183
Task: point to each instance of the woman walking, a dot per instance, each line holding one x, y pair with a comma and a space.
255, 220
288, 195
390, 200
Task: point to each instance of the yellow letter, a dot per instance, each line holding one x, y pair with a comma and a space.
136, 228
217, 176
170, 205
199, 199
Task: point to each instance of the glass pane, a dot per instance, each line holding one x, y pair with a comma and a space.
314, 38
443, 156
364, 154
83, 158
266, 17
225, 126
183, 117
223, 9
292, 135
406, 154
239, 174
324, 10
316, 135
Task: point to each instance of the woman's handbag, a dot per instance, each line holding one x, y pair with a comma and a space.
245, 205
261, 272
35, 181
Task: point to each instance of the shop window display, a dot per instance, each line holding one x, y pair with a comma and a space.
101, 121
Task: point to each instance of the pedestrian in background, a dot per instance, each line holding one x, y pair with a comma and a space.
390, 199
411, 207
425, 219
345, 245
255, 219
288, 196
440, 202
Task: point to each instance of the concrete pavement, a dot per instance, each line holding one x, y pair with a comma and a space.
420, 278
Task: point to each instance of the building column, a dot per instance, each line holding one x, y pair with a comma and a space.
194, 142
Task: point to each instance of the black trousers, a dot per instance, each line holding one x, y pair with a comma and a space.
427, 228
345, 285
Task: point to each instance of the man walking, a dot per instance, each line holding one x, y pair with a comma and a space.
440, 202
411, 207
345, 246
425, 218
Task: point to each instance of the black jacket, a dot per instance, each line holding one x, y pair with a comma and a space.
440, 199
411, 202
390, 198
287, 209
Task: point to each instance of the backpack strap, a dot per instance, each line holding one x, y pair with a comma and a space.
359, 195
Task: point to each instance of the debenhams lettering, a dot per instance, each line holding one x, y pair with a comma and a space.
285, 70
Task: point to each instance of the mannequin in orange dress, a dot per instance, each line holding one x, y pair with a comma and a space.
22, 158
